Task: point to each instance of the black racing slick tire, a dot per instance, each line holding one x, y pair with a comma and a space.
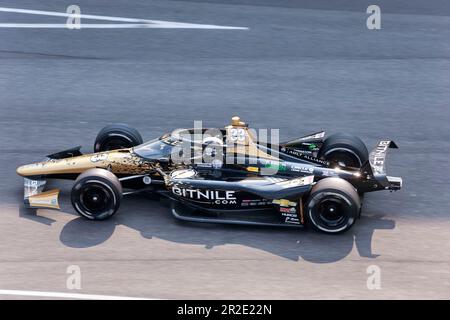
117, 136
333, 206
344, 149
96, 194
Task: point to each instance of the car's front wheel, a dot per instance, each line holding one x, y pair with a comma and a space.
96, 194
117, 136
333, 205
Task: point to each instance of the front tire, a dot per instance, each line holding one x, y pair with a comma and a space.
117, 136
333, 206
96, 194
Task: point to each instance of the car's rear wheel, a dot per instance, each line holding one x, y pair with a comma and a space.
345, 150
96, 194
333, 205
117, 136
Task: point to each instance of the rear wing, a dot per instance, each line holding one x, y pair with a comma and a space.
375, 166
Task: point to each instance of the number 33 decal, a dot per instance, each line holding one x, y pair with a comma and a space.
237, 135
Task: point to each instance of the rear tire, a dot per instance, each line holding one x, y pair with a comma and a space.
333, 206
96, 194
344, 149
117, 136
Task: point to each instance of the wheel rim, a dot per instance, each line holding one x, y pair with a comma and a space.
116, 143
331, 212
96, 199
344, 158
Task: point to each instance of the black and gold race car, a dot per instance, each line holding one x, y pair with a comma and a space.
224, 175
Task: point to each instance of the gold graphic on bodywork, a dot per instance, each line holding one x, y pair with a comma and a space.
48, 199
242, 141
130, 163
122, 161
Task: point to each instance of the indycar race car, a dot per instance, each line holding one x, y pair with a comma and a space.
224, 175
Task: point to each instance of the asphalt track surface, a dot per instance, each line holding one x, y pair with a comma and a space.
300, 67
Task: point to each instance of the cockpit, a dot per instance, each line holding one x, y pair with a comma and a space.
157, 149
188, 144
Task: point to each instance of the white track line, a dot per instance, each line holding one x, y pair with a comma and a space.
108, 26
132, 22
45, 294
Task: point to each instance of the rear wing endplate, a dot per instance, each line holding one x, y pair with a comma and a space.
376, 165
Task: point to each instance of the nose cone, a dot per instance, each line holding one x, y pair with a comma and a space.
26, 170
21, 171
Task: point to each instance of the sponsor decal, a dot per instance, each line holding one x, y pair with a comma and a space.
316, 160
215, 164
147, 180
275, 180
32, 187
328, 173
302, 168
183, 174
297, 182
212, 196
289, 214
204, 165
284, 203
33, 183
292, 220
305, 154
378, 156
276, 166
50, 202
99, 157
290, 217
291, 183
295, 152
318, 135
287, 210
254, 202
237, 134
